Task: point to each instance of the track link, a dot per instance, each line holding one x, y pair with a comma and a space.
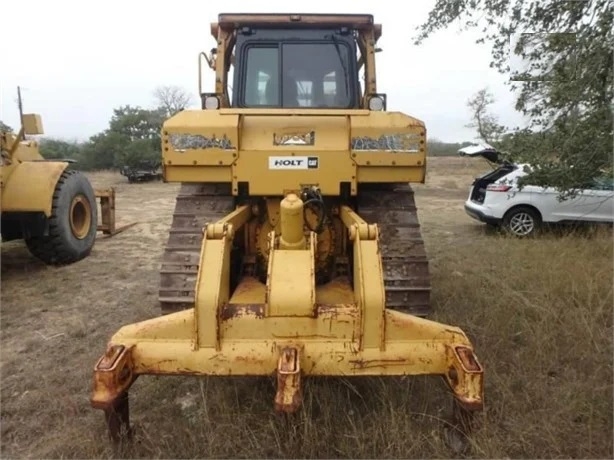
195, 206
406, 267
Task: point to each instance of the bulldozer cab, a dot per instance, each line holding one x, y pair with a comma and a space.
314, 72
282, 61
320, 68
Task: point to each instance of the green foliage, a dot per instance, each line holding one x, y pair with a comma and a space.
566, 87
514, 145
101, 150
57, 149
136, 123
131, 139
140, 152
133, 136
4, 128
520, 145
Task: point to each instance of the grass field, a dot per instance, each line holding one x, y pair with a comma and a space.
539, 313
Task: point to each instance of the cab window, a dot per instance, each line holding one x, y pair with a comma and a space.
313, 75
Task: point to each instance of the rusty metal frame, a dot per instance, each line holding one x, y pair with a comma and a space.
228, 334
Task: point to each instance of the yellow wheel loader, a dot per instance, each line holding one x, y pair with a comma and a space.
295, 248
43, 202
53, 209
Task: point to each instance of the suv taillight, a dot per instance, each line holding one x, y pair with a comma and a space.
498, 187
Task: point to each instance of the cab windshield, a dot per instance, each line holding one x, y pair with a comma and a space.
295, 75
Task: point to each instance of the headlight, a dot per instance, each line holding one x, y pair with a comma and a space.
377, 103
211, 103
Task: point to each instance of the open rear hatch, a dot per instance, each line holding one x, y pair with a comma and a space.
481, 150
501, 168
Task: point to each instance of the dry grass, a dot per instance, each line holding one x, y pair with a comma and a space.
539, 313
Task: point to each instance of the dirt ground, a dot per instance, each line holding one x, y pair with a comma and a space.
54, 324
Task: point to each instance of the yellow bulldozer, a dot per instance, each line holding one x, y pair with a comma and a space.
295, 248
45, 203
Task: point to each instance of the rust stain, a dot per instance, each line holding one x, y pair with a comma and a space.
468, 359
451, 331
302, 336
335, 310
113, 376
289, 395
108, 359
453, 376
369, 364
234, 310
161, 362
248, 359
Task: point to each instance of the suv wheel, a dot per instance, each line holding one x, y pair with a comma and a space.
522, 221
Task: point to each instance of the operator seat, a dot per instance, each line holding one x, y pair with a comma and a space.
271, 92
290, 93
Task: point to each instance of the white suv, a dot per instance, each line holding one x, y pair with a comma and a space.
495, 199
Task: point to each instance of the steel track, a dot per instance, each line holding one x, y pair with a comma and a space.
195, 206
406, 267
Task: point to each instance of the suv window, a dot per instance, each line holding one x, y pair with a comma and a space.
602, 183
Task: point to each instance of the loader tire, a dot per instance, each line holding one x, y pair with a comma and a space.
72, 224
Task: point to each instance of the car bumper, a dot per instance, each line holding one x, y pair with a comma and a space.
477, 213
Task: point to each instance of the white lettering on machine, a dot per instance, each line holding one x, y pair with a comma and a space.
293, 162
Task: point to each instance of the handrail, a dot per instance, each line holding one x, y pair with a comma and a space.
211, 64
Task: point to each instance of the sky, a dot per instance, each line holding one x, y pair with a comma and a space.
76, 61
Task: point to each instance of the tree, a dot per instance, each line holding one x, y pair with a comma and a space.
133, 137
566, 85
172, 99
100, 151
136, 123
486, 124
56, 149
4, 128
140, 153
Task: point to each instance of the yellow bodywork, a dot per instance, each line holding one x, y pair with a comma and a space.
277, 314
341, 328
27, 180
29, 186
232, 143
32, 124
